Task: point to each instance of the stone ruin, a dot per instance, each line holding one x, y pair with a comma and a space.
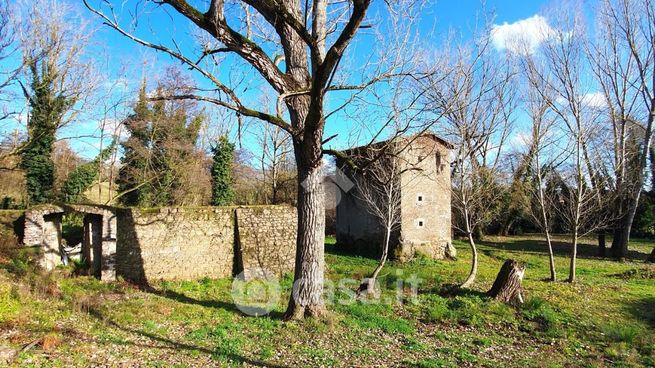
185, 243
43, 228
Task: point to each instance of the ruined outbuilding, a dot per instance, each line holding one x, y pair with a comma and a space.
182, 243
425, 184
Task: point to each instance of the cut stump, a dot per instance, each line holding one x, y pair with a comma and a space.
507, 287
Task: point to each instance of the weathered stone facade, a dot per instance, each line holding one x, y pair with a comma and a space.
425, 225
171, 243
266, 239
43, 229
175, 243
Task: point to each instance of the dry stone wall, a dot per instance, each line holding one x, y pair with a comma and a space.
215, 242
175, 243
184, 243
43, 229
266, 239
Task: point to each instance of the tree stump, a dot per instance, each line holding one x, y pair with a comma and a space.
507, 287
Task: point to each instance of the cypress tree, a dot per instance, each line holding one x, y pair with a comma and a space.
221, 172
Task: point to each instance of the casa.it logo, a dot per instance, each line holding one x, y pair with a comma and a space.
337, 183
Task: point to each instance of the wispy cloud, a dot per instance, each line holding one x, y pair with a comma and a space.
594, 100
522, 36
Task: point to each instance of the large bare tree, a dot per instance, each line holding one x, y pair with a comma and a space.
562, 87
623, 60
296, 48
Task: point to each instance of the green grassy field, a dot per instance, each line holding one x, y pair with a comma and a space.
606, 319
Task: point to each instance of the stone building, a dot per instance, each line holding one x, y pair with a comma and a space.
425, 194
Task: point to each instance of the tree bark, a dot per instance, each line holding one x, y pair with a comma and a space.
551, 257
307, 296
507, 287
622, 232
574, 257
474, 263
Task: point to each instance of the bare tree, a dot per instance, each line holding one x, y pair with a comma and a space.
542, 156
9, 67
275, 160
379, 190
623, 58
542, 165
311, 38
562, 87
475, 99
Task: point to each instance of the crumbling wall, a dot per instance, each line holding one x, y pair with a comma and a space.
186, 243
43, 229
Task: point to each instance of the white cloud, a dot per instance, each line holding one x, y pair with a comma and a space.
521, 139
522, 36
594, 100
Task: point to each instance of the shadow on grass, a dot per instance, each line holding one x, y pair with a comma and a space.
643, 310
217, 304
560, 248
172, 344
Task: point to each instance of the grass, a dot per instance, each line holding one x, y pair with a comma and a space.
606, 319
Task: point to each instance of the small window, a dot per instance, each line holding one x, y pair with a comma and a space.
420, 223
419, 198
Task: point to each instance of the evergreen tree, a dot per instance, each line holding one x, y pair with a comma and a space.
133, 182
157, 153
47, 108
221, 172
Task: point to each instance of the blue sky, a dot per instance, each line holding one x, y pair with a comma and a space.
163, 26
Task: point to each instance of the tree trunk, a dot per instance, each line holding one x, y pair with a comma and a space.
651, 258
307, 295
622, 233
474, 263
602, 247
574, 256
551, 257
507, 287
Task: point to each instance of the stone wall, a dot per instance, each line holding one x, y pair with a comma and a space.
426, 200
266, 239
142, 245
175, 243
425, 214
215, 242
43, 229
